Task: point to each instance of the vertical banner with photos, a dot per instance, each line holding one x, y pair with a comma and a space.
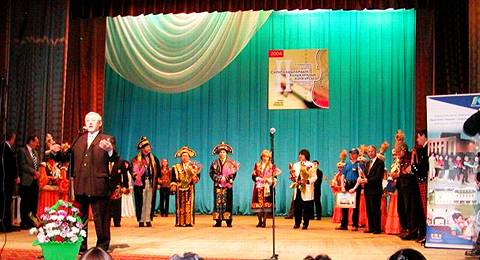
298, 79
453, 219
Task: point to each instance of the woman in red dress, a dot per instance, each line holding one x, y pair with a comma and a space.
264, 175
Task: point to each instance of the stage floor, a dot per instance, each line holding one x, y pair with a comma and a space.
244, 240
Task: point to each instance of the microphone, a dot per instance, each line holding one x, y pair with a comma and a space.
82, 130
272, 131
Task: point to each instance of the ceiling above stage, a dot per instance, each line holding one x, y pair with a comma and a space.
101, 8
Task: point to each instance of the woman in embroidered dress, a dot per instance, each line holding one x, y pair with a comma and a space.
264, 176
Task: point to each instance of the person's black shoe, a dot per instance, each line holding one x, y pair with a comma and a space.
149, 224
117, 225
421, 239
341, 228
229, 224
304, 227
264, 224
217, 224
25, 227
473, 252
141, 224
259, 224
296, 226
377, 232
411, 236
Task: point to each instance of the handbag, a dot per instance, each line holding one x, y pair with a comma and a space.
345, 200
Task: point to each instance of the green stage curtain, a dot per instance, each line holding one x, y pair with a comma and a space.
371, 63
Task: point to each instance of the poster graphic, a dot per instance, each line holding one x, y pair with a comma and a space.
298, 79
453, 219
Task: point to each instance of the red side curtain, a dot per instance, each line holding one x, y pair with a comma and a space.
85, 72
474, 45
451, 47
423, 65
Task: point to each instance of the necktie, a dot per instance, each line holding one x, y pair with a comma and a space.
89, 140
35, 161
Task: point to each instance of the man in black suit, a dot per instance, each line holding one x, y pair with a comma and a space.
9, 177
28, 161
118, 185
317, 192
90, 163
373, 190
420, 169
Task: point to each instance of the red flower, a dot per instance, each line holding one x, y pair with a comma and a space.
76, 204
58, 239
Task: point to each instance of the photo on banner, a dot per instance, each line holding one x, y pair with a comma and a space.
298, 79
453, 219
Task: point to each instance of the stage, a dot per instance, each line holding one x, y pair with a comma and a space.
242, 241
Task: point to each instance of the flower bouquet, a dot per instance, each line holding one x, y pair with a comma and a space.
59, 231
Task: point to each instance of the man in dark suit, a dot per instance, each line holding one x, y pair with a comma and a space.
420, 168
373, 190
28, 161
9, 177
118, 186
91, 156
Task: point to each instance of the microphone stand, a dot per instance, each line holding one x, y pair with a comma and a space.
274, 255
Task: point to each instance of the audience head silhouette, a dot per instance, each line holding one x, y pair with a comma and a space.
96, 253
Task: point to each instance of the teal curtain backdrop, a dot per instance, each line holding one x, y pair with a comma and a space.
371, 68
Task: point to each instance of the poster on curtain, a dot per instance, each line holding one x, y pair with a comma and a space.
453, 219
298, 79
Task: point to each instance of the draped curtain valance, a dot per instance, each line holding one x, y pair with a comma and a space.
178, 52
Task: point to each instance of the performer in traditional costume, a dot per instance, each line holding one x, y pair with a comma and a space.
53, 184
337, 185
264, 175
222, 172
118, 177
53, 181
186, 175
145, 169
164, 181
392, 226
303, 175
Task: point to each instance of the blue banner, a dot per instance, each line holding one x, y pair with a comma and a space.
452, 209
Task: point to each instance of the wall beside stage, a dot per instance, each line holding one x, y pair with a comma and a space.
371, 77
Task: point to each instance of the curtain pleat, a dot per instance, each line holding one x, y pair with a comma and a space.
103, 8
36, 68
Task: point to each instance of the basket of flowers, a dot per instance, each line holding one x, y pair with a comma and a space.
59, 231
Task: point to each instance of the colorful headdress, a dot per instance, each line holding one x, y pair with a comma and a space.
187, 150
222, 146
142, 142
400, 141
343, 156
361, 153
383, 148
